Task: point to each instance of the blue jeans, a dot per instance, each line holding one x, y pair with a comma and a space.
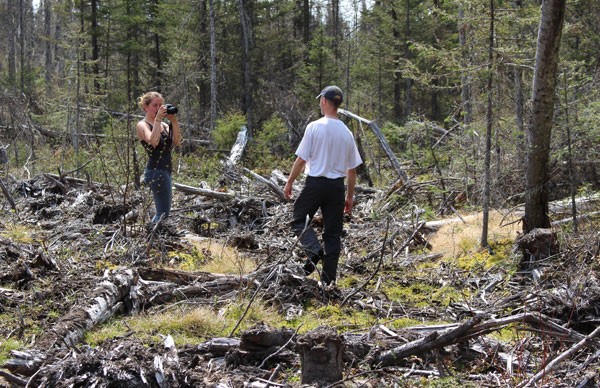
329, 196
160, 185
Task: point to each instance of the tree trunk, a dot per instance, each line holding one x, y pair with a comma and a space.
94, 32
321, 353
488, 133
12, 43
213, 67
246, 23
540, 127
157, 54
467, 107
48, 46
397, 74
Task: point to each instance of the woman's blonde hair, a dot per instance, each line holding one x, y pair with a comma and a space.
146, 98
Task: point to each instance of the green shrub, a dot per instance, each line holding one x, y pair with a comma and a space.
227, 128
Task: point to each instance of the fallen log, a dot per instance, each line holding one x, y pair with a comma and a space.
204, 192
425, 344
108, 298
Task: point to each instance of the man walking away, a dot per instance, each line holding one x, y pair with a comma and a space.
329, 153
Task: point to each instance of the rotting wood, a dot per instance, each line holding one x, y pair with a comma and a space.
536, 246
321, 353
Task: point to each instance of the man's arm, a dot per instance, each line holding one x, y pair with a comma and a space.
296, 170
351, 183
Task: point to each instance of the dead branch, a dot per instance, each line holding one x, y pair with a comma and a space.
552, 364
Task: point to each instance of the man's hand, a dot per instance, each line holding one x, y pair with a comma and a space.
348, 205
287, 190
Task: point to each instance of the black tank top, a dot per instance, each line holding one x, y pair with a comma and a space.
159, 157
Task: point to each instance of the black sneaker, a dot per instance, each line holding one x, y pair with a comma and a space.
309, 267
311, 263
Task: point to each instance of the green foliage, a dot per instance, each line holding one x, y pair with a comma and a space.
473, 258
202, 166
7, 345
421, 294
270, 146
227, 128
332, 315
395, 136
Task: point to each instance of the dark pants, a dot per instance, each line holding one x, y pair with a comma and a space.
328, 195
159, 182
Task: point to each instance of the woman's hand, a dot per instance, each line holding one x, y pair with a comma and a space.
161, 113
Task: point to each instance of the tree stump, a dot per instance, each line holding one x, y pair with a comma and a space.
537, 245
321, 352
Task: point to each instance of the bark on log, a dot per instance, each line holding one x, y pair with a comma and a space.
321, 354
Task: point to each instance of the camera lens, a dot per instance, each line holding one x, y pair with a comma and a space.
171, 110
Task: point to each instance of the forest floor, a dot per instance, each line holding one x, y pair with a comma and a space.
416, 305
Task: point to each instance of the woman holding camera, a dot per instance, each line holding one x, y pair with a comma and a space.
158, 139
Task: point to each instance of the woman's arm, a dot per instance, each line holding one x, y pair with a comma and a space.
151, 136
177, 138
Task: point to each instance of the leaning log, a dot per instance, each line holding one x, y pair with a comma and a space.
273, 186
382, 142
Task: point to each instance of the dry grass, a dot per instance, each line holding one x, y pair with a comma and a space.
456, 238
222, 258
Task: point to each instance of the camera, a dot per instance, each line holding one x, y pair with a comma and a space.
171, 110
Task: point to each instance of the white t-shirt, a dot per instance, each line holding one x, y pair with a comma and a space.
328, 148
